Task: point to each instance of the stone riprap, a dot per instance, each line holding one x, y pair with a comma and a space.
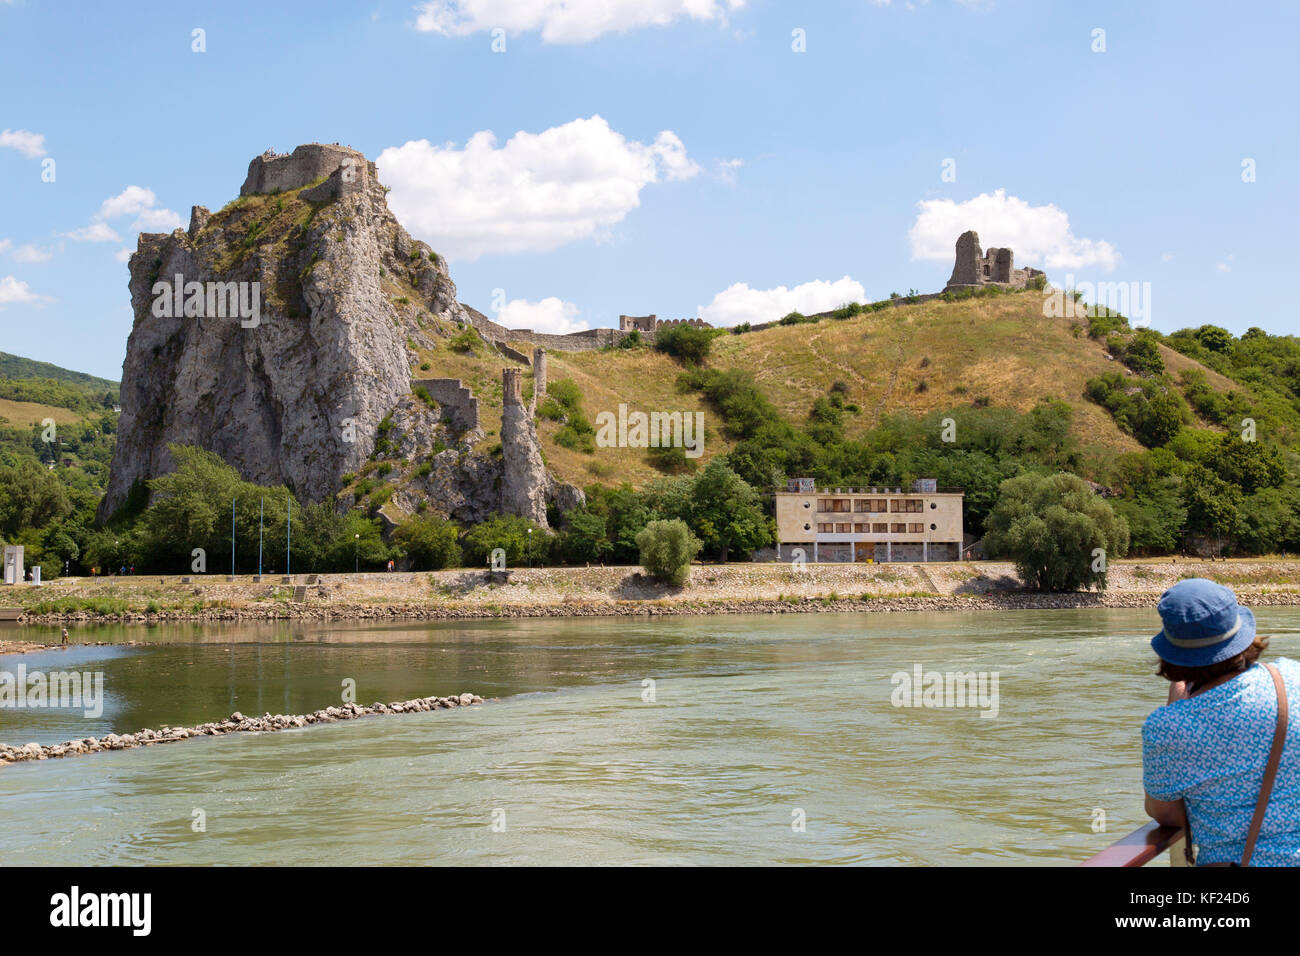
236, 723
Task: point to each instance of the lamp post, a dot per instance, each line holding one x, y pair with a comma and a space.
356, 554
530, 549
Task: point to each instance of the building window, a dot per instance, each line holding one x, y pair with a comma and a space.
808, 504
916, 527
825, 528
934, 527
933, 506
807, 527
897, 528
880, 527
862, 504
843, 528
861, 528
909, 506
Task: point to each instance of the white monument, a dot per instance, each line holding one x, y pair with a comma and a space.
13, 563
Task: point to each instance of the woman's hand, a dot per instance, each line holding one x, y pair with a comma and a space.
1179, 690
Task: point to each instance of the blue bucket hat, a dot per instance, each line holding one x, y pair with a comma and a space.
1204, 624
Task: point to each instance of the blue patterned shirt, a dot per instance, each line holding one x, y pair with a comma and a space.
1210, 751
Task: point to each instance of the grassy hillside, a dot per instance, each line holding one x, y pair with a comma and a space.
23, 414
921, 358
17, 367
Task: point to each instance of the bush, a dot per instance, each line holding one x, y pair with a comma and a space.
689, 343
667, 549
466, 341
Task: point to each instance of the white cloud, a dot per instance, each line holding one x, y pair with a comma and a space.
143, 204
11, 291
739, 303
564, 21
549, 315
1039, 235
29, 253
1224, 266
727, 170
95, 232
1167, 257
5, 244
123, 254
129, 202
132, 201
536, 192
31, 145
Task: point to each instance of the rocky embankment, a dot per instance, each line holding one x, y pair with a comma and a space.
627, 592
236, 723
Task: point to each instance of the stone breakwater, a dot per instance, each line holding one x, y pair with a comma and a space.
236, 723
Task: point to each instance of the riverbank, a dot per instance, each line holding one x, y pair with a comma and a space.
615, 591
236, 723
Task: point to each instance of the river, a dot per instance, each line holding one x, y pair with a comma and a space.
769, 739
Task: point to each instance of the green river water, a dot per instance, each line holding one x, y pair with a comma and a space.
758, 722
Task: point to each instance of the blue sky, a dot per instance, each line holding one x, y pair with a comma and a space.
669, 156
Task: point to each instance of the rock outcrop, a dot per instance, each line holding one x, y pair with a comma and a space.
524, 482
277, 333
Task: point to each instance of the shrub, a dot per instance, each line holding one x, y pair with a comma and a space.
667, 549
689, 343
466, 341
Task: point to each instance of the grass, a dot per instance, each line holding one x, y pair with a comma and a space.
23, 414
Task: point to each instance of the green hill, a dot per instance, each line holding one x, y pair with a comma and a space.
17, 367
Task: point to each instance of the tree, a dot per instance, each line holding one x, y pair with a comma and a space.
430, 542
586, 537
726, 512
667, 549
511, 534
1058, 532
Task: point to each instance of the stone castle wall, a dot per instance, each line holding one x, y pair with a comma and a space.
284, 171
459, 406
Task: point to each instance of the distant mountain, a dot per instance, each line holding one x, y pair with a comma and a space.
17, 367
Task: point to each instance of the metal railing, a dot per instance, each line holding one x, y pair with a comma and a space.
1142, 846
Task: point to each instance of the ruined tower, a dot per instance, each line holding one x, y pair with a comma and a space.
972, 269
524, 481
539, 375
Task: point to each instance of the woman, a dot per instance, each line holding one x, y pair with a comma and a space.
1205, 754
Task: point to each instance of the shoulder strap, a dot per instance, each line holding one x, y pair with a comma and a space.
1270, 772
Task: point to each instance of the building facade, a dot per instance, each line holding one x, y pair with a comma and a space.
869, 524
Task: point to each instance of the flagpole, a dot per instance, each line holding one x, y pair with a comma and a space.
261, 508
232, 537
288, 556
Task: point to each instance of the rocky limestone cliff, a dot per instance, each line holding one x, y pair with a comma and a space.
275, 333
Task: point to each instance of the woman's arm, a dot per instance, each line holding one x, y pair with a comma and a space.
1170, 813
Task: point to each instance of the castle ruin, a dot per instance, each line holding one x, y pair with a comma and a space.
973, 269
339, 170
